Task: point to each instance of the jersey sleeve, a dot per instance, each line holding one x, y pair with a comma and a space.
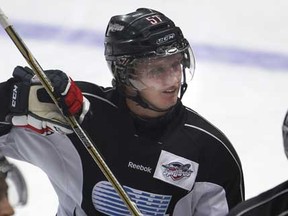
55, 155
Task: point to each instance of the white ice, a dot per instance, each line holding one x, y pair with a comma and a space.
240, 83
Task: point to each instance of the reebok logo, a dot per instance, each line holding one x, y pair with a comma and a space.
14, 96
139, 167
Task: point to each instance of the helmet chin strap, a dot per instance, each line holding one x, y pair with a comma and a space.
183, 89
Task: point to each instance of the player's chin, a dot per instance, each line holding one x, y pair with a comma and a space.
167, 103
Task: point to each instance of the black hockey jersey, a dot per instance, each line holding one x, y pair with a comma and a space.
179, 164
273, 202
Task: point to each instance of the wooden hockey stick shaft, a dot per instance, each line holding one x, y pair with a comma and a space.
70, 119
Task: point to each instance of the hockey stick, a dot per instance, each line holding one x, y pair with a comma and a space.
70, 119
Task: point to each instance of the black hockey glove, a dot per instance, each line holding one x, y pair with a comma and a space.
33, 108
4, 107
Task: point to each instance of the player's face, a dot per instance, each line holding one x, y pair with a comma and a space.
5, 207
159, 80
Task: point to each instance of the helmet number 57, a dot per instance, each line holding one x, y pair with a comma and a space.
154, 19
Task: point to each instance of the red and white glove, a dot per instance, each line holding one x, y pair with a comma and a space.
32, 107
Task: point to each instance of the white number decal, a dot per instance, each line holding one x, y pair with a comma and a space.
154, 19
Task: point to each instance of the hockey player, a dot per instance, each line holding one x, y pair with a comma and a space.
10, 176
273, 202
169, 159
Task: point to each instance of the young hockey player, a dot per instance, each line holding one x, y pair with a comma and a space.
169, 159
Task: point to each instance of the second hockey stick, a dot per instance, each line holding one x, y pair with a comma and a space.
70, 119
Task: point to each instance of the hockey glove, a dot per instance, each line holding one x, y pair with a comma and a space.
33, 108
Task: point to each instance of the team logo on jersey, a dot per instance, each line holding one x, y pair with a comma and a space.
176, 170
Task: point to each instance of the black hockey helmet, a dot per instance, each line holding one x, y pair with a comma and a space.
142, 34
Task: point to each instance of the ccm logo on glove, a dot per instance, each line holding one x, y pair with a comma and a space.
14, 96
